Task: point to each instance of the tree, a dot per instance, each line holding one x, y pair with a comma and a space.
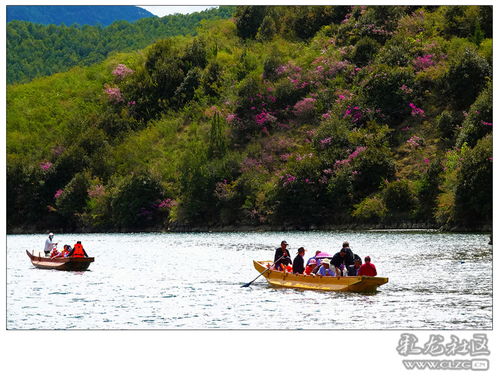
217, 146
248, 19
473, 202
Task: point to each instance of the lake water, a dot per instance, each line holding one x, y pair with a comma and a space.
193, 281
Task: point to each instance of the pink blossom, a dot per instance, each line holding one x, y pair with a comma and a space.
231, 117
167, 203
426, 161
326, 141
357, 151
351, 156
114, 94
354, 112
304, 107
326, 115
288, 178
58, 193
46, 165
264, 118
486, 123
406, 89
415, 141
416, 111
422, 63
122, 71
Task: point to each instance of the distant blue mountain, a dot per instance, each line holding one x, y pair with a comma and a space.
76, 14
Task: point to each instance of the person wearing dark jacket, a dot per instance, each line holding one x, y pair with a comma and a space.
298, 262
282, 255
344, 258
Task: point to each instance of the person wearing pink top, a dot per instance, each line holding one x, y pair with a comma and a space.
367, 269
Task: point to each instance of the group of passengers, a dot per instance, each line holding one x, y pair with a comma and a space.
51, 249
343, 263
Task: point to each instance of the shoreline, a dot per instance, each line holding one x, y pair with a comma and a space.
392, 227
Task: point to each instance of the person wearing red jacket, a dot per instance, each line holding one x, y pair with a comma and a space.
367, 269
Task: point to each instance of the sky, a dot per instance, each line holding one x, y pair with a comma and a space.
160, 10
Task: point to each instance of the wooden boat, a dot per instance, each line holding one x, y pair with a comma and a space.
301, 281
61, 263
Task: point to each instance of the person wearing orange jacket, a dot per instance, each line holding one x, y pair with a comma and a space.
78, 250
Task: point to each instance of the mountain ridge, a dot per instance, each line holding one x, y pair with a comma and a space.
76, 14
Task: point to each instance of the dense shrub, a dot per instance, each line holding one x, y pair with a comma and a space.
399, 198
478, 121
473, 202
371, 209
248, 20
382, 90
467, 76
135, 202
71, 201
446, 123
427, 192
364, 51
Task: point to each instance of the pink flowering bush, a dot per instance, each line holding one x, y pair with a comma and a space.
415, 141
416, 111
121, 71
304, 108
58, 193
46, 165
114, 94
288, 179
350, 157
325, 142
423, 62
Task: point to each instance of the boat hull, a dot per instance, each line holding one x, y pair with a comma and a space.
300, 281
61, 263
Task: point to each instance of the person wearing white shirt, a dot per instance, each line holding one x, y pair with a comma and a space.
49, 245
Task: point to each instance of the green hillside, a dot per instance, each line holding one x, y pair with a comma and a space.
75, 14
35, 50
288, 117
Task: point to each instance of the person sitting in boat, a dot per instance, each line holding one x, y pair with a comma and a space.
281, 257
298, 262
312, 263
317, 261
368, 268
49, 244
353, 270
54, 253
343, 259
325, 269
63, 253
78, 250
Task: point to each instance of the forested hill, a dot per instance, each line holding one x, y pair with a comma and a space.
76, 14
281, 117
35, 50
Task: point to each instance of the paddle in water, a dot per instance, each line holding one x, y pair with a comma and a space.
249, 283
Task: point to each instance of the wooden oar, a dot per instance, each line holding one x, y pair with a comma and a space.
249, 283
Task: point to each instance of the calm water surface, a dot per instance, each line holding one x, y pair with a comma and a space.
192, 281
